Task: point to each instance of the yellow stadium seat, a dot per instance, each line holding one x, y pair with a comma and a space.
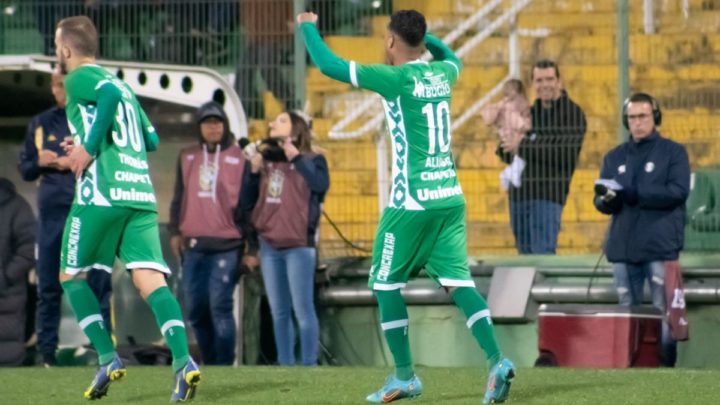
677, 61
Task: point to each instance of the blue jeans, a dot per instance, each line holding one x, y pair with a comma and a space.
209, 281
630, 282
535, 224
289, 276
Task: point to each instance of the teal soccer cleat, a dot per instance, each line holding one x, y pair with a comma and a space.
498, 385
186, 381
108, 373
395, 389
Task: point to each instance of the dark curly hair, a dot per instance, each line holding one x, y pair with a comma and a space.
410, 25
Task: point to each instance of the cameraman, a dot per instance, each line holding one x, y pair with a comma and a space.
647, 202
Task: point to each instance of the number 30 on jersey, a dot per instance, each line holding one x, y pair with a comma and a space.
128, 127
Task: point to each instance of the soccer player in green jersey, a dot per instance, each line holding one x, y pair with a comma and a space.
114, 211
424, 223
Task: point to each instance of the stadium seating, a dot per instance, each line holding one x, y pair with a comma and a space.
677, 64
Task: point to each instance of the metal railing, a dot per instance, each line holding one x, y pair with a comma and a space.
469, 23
678, 64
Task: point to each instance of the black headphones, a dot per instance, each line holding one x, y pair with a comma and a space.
642, 97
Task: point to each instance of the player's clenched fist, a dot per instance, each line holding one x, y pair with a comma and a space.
307, 16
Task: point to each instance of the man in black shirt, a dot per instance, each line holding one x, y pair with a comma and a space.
550, 150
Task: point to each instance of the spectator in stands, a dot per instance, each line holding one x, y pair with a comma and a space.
550, 150
268, 35
43, 158
511, 118
17, 246
288, 184
644, 184
206, 225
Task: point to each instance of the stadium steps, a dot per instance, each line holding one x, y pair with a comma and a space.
678, 64
587, 49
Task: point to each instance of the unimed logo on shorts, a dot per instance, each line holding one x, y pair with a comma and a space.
387, 255
73, 241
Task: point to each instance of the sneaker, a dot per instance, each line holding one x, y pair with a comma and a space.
49, 360
498, 385
186, 381
395, 389
108, 373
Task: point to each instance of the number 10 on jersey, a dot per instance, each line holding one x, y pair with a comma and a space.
438, 121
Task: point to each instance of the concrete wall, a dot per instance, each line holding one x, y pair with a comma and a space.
439, 337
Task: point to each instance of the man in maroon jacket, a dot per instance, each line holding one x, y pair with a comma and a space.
206, 226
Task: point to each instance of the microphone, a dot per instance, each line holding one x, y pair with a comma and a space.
604, 192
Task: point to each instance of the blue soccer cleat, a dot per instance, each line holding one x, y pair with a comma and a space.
395, 389
498, 385
186, 381
108, 373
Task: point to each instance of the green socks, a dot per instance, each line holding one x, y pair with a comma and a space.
394, 323
477, 313
170, 320
87, 311
164, 306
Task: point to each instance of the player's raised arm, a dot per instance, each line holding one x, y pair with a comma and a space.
329, 64
380, 78
442, 52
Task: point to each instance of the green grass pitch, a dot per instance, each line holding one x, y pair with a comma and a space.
348, 385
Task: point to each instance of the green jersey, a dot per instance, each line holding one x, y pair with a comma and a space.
416, 98
104, 116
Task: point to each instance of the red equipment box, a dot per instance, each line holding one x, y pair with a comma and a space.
599, 336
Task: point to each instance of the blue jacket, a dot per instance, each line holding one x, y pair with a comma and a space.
648, 215
46, 131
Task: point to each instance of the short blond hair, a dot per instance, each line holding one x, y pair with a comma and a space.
80, 34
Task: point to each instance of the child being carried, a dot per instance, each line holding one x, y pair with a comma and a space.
511, 118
